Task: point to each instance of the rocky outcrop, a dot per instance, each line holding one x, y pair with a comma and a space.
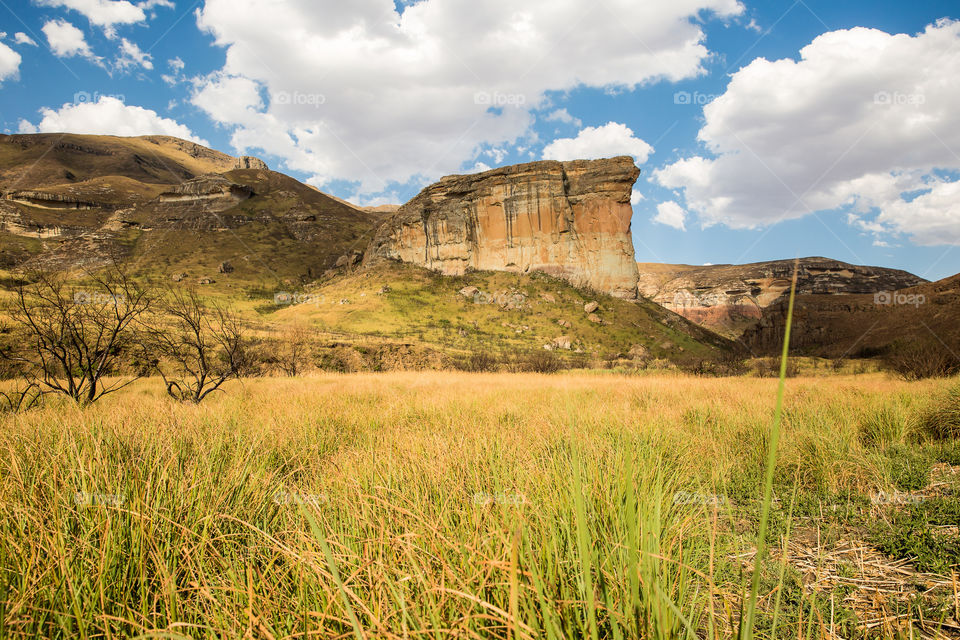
568, 219
213, 192
864, 325
249, 162
730, 299
46, 200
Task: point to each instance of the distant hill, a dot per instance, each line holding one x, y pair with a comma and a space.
171, 207
31, 161
731, 299
864, 325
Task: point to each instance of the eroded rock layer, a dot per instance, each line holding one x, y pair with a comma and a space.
567, 219
730, 299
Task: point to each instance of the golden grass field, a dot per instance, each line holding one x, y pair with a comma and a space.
441, 504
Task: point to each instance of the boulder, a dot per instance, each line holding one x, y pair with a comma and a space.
590, 307
639, 352
548, 298
562, 342
349, 259
469, 292
594, 318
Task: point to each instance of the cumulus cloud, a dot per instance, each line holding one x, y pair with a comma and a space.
9, 62
21, 38
863, 121
131, 56
612, 139
66, 40
102, 13
671, 214
358, 91
562, 115
107, 116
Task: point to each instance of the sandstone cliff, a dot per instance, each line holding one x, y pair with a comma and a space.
864, 325
730, 299
249, 162
568, 219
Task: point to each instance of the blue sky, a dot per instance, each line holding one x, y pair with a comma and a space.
764, 130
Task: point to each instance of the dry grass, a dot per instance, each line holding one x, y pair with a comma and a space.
421, 504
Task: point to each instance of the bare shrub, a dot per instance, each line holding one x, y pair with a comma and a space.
478, 362
727, 364
342, 359
916, 360
770, 368
198, 346
293, 350
542, 361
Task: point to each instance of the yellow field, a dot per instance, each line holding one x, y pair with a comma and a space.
443, 504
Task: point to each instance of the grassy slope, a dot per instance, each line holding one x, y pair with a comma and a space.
425, 309
290, 233
422, 306
42, 160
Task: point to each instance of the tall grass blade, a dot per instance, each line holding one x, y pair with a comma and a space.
746, 624
584, 550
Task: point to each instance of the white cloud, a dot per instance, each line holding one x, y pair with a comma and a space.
562, 115
147, 5
66, 40
175, 76
102, 13
671, 214
862, 118
636, 197
107, 116
612, 139
132, 56
21, 38
9, 62
359, 92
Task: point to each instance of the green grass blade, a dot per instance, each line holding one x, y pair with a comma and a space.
746, 626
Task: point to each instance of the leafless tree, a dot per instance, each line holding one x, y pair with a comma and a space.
197, 346
71, 338
294, 349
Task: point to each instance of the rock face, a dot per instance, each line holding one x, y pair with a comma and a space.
864, 325
249, 162
568, 219
213, 192
731, 299
47, 200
